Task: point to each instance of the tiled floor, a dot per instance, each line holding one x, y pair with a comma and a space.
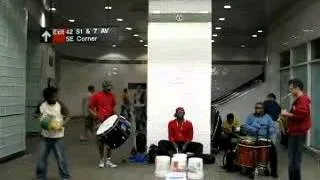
83, 160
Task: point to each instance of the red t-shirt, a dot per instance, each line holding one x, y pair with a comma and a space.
180, 132
300, 123
103, 103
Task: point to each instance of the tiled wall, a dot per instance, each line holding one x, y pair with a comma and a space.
12, 76
33, 82
37, 73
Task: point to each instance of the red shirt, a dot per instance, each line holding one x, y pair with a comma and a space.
300, 123
103, 103
180, 132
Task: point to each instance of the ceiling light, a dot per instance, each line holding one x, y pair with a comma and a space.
307, 30
72, 20
119, 19
213, 41
136, 35
218, 28
243, 46
108, 7
155, 12
260, 31
53, 9
145, 45
222, 19
129, 28
227, 6
254, 35
114, 45
215, 35
141, 41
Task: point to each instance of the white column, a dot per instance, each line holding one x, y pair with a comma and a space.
179, 66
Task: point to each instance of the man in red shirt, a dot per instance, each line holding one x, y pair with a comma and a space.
180, 133
101, 107
299, 122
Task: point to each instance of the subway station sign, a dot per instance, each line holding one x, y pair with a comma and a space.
74, 35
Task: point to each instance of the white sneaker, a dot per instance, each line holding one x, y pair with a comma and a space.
111, 164
101, 164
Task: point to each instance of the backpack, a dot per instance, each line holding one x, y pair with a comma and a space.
152, 153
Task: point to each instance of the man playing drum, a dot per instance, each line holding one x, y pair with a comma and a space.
261, 125
101, 106
180, 137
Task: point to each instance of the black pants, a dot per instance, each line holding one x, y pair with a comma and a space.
167, 148
295, 151
273, 160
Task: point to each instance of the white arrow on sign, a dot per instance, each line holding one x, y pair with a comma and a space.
46, 35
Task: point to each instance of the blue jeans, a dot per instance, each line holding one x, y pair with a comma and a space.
295, 150
56, 145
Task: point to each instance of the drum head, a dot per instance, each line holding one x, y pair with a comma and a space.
107, 124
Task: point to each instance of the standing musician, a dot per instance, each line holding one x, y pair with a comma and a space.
180, 133
261, 125
102, 106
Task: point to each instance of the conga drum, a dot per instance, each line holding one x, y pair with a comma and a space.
246, 153
263, 151
114, 131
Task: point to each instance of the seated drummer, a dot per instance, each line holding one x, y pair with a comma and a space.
229, 128
180, 137
261, 125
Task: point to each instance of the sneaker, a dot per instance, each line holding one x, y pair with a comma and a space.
101, 164
111, 164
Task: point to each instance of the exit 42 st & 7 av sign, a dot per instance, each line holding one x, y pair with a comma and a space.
74, 35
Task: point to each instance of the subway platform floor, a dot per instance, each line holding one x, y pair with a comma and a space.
83, 161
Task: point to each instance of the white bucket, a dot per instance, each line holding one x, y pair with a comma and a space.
162, 164
176, 176
195, 168
179, 163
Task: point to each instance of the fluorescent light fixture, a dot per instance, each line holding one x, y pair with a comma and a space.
43, 20
227, 6
213, 41
156, 12
119, 19
141, 41
215, 35
108, 7
129, 28
218, 28
53, 9
114, 45
308, 30
136, 35
145, 45
72, 20
260, 31
254, 35
222, 19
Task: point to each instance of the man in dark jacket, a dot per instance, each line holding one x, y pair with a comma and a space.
272, 107
299, 123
